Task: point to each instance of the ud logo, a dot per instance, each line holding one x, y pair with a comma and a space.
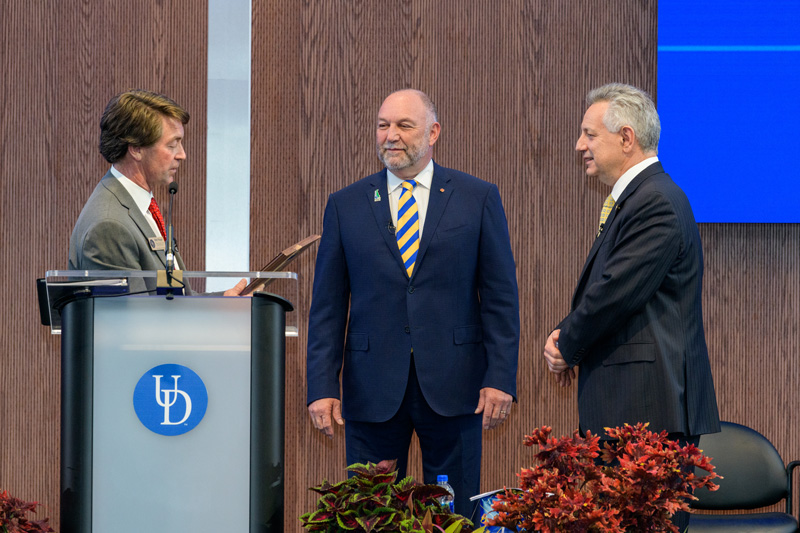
170, 399
166, 398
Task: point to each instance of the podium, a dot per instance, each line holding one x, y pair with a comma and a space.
172, 408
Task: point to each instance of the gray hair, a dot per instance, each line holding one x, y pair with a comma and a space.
629, 106
430, 107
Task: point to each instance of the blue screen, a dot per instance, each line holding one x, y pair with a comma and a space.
728, 98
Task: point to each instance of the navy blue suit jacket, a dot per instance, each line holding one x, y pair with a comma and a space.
459, 311
636, 325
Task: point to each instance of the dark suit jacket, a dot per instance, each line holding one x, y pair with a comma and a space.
459, 311
636, 325
112, 234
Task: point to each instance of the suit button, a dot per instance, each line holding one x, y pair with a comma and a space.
410, 289
408, 329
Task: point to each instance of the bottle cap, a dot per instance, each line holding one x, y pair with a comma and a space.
441, 478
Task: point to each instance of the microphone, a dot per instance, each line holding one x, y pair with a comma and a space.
168, 280
390, 227
602, 227
173, 188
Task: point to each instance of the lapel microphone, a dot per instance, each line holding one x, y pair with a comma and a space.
602, 227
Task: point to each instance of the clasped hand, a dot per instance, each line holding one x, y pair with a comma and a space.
555, 361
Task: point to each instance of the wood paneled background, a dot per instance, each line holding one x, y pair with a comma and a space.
509, 79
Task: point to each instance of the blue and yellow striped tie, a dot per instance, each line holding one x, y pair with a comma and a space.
408, 226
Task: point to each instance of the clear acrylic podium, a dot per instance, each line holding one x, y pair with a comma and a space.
172, 408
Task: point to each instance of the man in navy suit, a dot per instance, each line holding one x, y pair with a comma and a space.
426, 340
636, 324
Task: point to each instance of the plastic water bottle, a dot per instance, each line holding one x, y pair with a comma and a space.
446, 501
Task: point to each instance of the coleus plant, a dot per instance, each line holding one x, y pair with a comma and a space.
373, 500
13, 517
643, 478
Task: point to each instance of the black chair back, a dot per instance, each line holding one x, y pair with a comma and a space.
754, 473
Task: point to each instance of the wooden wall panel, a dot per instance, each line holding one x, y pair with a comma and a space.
509, 79
61, 63
751, 299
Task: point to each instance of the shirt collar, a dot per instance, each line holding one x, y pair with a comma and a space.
424, 178
627, 177
140, 196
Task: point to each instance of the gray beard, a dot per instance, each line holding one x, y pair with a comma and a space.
411, 158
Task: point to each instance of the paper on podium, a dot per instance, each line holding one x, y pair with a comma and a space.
278, 263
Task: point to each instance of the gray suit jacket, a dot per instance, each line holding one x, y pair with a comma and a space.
636, 325
112, 234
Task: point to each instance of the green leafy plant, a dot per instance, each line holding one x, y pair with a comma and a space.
643, 480
13, 519
373, 500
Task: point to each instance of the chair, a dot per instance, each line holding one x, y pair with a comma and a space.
754, 476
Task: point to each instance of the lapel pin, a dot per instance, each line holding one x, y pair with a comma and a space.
377, 196
441, 190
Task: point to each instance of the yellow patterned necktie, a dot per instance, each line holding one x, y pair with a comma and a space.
408, 226
608, 205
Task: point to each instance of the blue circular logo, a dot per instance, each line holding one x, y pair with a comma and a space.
170, 399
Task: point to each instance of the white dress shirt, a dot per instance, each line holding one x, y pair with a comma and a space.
140, 196
627, 177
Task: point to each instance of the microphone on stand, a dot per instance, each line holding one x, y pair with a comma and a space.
173, 188
167, 281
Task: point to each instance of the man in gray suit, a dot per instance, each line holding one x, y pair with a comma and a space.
636, 324
121, 226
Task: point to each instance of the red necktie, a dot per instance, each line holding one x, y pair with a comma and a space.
157, 217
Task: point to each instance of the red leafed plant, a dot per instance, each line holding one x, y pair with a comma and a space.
372, 501
651, 478
12, 516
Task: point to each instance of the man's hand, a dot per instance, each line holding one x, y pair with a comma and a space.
237, 289
323, 412
565, 378
495, 406
555, 361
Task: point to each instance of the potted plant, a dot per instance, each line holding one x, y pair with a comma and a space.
373, 501
13, 519
642, 479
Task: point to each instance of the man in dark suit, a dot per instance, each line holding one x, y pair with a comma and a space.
636, 325
419, 257
121, 226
